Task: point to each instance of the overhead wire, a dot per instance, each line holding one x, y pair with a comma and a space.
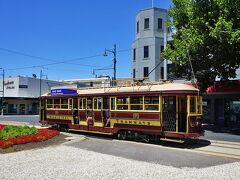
55, 62
43, 58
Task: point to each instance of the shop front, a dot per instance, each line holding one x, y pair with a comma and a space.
21, 106
221, 104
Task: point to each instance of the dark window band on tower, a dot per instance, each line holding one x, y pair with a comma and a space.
134, 54
146, 23
138, 27
145, 72
146, 52
160, 23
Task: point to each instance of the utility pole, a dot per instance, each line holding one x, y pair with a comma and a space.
40, 93
2, 102
115, 63
114, 51
40, 85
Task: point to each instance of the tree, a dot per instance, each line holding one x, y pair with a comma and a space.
207, 32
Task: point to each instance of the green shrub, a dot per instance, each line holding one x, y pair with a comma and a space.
15, 131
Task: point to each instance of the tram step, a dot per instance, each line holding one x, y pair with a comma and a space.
172, 140
96, 132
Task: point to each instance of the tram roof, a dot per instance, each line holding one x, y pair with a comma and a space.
165, 87
170, 87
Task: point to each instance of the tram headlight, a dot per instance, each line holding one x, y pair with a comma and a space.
195, 121
198, 121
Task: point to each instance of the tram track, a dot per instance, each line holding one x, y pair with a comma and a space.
208, 147
221, 148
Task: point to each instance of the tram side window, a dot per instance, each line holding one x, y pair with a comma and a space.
122, 103
193, 108
82, 103
89, 103
49, 103
151, 103
199, 104
136, 103
97, 103
70, 101
113, 100
56, 103
64, 104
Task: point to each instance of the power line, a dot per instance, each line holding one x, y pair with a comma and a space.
42, 58
55, 62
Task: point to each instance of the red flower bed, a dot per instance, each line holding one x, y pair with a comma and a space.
42, 135
1, 126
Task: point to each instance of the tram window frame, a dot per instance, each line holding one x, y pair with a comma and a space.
49, 105
57, 103
136, 103
64, 105
90, 105
79, 103
193, 105
97, 102
124, 105
151, 104
112, 103
199, 105
82, 103
70, 103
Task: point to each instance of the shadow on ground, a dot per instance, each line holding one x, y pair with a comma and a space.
189, 144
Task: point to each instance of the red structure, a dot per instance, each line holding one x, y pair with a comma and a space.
221, 104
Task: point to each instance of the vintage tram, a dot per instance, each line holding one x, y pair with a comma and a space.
169, 111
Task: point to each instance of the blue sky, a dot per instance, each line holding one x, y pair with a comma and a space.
59, 30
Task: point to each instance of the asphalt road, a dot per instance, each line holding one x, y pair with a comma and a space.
154, 153
30, 119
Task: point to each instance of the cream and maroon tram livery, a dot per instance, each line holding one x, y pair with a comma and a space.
167, 110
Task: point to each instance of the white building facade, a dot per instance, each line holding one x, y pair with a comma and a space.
150, 41
21, 94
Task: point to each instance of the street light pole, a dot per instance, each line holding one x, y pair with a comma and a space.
114, 51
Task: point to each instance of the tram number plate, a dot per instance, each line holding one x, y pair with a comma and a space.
135, 115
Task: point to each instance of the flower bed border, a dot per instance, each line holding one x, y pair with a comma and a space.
42, 135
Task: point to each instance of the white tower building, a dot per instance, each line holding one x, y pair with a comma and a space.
150, 40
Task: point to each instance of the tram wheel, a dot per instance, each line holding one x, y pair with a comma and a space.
122, 135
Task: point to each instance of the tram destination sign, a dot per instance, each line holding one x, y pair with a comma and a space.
61, 90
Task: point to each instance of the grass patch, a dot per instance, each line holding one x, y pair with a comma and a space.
16, 131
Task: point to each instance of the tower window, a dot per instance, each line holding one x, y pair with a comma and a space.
145, 71
162, 72
146, 52
138, 27
146, 23
160, 23
162, 49
134, 73
134, 54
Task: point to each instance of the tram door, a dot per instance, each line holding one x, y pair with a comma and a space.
89, 112
75, 111
182, 113
169, 113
